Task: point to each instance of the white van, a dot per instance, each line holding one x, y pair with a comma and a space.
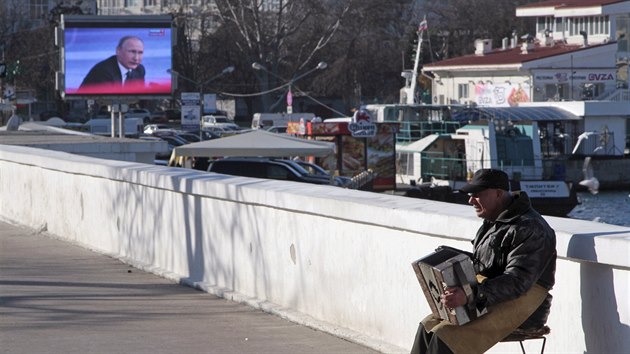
267, 120
102, 126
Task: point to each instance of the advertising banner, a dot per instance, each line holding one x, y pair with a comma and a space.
501, 95
191, 112
209, 103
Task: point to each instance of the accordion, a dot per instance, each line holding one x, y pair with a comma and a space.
443, 269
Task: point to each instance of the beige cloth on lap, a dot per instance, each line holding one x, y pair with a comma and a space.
483, 333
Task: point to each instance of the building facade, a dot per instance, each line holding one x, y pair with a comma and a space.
579, 51
36, 12
577, 60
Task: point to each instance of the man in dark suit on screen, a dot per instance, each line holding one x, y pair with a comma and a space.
121, 69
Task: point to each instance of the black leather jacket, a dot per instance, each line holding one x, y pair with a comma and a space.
514, 252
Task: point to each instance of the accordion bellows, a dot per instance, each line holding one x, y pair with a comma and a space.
443, 269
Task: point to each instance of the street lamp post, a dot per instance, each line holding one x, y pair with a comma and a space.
200, 86
320, 66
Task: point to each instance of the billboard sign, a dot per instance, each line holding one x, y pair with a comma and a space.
116, 56
191, 112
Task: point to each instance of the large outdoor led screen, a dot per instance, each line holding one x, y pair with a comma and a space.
118, 56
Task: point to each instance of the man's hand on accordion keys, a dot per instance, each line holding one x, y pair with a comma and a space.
453, 297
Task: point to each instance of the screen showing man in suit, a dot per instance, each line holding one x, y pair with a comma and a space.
124, 68
102, 60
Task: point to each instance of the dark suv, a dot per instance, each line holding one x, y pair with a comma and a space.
263, 167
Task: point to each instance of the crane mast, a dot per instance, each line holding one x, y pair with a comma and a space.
408, 93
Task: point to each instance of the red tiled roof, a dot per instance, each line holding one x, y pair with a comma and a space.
511, 56
570, 3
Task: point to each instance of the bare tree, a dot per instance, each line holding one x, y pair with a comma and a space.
287, 40
194, 21
367, 54
28, 48
455, 24
13, 27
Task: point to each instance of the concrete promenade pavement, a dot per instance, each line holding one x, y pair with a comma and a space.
56, 297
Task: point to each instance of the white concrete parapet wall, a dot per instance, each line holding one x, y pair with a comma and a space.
333, 258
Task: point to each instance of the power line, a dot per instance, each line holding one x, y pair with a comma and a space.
276, 89
254, 94
318, 102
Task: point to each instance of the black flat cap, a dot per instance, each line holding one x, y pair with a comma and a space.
487, 178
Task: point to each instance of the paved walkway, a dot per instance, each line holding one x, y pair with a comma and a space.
56, 297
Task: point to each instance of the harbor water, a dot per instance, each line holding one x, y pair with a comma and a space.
610, 207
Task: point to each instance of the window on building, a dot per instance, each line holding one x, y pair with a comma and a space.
556, 92
462, 91
559, 25
592, 25
623, 34
540, 24
597, 25
38, 9
110, 6
270, 5
591, 91
545, 23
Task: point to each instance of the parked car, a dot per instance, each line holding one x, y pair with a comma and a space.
265, 120
315, 170
218, 131
190, 137
167, 115
318, 170
158, 117
275, 129
173, 141
45, 115
264, 167
173, 114
152, 128
218, 121
103, 126
140, 113
181, 135
143, 114
204, 134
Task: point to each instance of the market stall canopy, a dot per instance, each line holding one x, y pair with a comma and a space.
514, 113
256, 143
